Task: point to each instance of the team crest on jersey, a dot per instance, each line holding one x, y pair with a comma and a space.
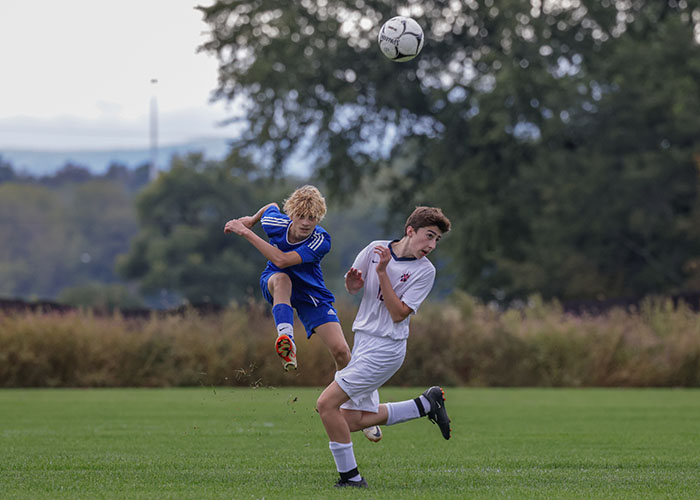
404, 277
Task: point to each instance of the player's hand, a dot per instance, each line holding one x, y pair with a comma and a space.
235, 226
248, 221
384, 257
354, 280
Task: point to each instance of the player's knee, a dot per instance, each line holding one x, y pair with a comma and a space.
341, 354
279, 281
322, 405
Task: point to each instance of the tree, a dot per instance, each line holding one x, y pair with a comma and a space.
68, 174
100, 222
100, 296
33, 240
62, 231
7, 173
613, 192
181, 246
547, 130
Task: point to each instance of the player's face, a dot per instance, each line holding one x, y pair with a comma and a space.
302, 226
423, 241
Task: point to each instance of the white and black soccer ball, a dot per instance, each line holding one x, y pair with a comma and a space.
400, 39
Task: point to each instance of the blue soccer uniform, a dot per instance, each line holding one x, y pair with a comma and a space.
310, 297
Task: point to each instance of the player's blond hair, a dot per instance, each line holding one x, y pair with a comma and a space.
306, 200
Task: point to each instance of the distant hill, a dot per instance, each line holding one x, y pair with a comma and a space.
41, 162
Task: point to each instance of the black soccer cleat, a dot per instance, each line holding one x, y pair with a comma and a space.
352, 484
438, 413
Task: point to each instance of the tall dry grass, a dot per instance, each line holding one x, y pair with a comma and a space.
457, 343
79, 349
465, 343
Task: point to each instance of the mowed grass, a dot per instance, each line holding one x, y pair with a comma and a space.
269, 443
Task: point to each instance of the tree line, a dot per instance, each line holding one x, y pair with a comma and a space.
561, 138
119, 240
61, 233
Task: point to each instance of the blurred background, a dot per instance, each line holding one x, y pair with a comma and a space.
562, 138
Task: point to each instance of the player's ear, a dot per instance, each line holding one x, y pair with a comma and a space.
410, 231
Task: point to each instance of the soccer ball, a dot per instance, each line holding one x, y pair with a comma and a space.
373, 433
400, 38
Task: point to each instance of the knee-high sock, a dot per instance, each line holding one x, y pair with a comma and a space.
404, 411
344, 459
284, 319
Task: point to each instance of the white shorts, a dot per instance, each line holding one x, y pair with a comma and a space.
374, 361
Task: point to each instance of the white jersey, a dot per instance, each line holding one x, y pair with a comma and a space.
412, 280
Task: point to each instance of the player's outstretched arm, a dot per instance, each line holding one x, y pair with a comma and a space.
250, 220
354, 281
273, 254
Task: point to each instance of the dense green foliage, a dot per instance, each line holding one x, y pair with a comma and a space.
561, 137
101, 297
115, 239
64, 230
269, 443
462, 343
182, 247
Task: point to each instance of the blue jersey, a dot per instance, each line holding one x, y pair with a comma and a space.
307, 277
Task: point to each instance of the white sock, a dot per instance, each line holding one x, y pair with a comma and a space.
285, 329
426, 403
402, 411
344, 458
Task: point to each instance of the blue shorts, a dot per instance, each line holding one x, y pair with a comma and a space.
311, 314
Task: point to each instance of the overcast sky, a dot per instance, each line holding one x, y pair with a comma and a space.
77, 74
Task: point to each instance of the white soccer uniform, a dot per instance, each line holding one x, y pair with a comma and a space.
380, 343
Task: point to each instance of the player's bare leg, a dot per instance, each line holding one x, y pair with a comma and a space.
332, 335
367, 422
359, 420
430, 404
338, 430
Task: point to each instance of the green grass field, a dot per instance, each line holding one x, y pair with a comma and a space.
269, 443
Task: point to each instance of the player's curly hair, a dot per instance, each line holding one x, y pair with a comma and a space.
427, 216
306, 200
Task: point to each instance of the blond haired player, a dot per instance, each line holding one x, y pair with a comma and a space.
293, 276
396, 277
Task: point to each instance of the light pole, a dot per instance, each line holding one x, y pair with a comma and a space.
153, 168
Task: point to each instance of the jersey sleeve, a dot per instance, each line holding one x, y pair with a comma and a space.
363, 258
419, 290
274, 222
315, 248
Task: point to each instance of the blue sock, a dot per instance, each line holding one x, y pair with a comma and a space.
284, 319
